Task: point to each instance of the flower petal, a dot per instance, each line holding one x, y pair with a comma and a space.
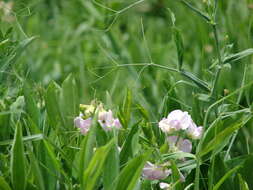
185, 146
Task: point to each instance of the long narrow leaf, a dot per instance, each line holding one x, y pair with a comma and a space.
95, 168
18, 170
130, 175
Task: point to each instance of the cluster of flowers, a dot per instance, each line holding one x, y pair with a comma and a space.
177, 122
105, 118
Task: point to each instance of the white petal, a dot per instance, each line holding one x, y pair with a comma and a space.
164, 185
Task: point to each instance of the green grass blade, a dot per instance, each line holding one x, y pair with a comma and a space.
18, 170
227, 175
246, 171
202, 84
127, 108
3, 184
52, 104
243, 183
180, 46
31, 107
215, 142
36, 172
176, 176
36, 137
96, 165
127, 148
111, 168
19, 50
69, 101
130, 174
87, 148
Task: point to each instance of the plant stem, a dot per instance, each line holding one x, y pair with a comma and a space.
194, 9
215, 83
217, 74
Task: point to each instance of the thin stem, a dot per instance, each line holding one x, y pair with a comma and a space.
149, 64
243, 82
217, 74
186, 74
194, 9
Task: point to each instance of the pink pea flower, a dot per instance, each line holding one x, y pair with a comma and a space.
175, 121
195, 132
83, 125
107, 121
117, 123
154, 172
178, 143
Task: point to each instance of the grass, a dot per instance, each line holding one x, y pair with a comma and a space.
142, 59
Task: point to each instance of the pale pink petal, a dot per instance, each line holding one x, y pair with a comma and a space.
175, 124
195, 132
78, 122
153, 172
185, 146
117, 123
83, 125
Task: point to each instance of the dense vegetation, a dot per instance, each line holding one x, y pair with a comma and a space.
142, 60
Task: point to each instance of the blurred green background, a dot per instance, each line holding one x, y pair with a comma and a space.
89, 38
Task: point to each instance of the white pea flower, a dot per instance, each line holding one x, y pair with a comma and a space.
176, 120
83, 124
178, 143
154, 172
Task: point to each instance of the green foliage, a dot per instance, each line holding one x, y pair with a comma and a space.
18, 170
142, 61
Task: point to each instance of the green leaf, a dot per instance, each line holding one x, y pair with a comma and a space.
243, 183
180, 46
3, 184
178, 155
95, 168
237, 56
69, 103
246, 171
202, 84
234, 57
218, 139
127, 148
18, 170
18, 51
53, 159
130, 174
143, 111
31, 107
36, 172
36, 137
216, 171
52, 104
127, 108
91, 140
87, 147
178, 41
111, 168
176, 176
226, 176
